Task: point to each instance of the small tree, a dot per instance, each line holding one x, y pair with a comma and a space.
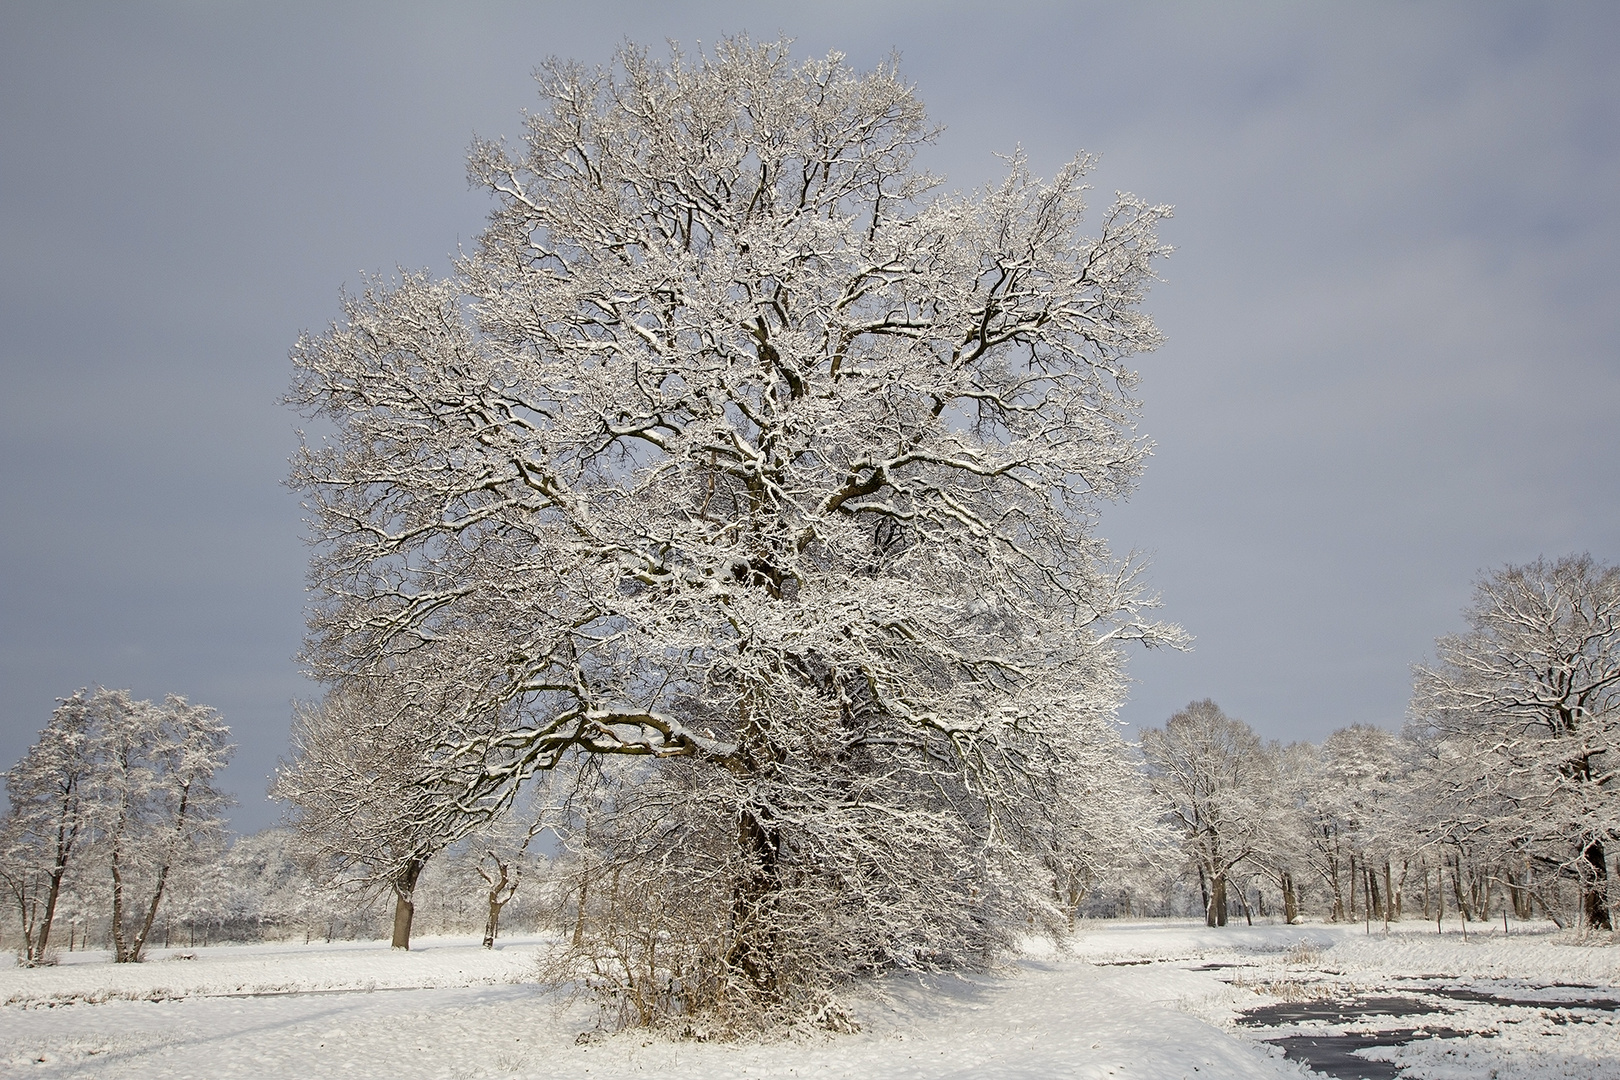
157, 807
355, 792
1217, 781
47, 824
496, 858
1529, 696
121, 783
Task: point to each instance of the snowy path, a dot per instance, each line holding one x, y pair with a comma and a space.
1150, 1001
1053, 1021
1056, 1018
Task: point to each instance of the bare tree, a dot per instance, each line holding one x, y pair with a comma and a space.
732, 449
1217, 781
1527, 698
1361, 790
499, 854
1287, 853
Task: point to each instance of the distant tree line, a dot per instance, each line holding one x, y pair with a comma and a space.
1499, 794
1495, 801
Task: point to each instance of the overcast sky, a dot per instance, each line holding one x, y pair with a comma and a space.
1393, 314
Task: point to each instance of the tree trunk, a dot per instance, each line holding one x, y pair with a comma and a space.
163, 873
1389, 896
754, 895
584, 897
1217, 901
120, 955
502, 887
404, 908
492, 924
151, 915
1439, 894
34, 945
1463, 907
1595, 887
38, 938
1519, 890
1290, 899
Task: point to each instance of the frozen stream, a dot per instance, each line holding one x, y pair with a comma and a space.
1385, 1021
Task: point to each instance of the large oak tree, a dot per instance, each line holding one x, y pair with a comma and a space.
736, 452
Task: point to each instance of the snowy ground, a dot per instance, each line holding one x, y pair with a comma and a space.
1149, 1000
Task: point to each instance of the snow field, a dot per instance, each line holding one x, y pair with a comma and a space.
1149, 1000
244, 970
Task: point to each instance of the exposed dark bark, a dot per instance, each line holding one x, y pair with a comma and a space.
404, 907
126, 951
1216, 916
752, 952
36, 943
503, 884
36, 926
1463, 906
1595, 887
120, 952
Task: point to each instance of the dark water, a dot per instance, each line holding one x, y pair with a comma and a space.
1335, 1055
1337, 1010
1602, 1004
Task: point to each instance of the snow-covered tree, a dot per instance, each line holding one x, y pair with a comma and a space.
47, 826
500, 856
1218, 782
119, 784
1359, 804
354, 790
734, 452
1284, 853
156, 807
1527, 701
